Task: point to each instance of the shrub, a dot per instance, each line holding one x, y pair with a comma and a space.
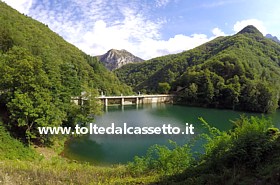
163, 160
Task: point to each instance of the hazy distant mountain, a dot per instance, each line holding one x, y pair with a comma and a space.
274, 38
115, 59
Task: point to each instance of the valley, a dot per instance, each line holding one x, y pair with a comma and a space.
225, 92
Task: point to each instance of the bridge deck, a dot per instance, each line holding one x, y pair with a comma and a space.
136, 96
127, 100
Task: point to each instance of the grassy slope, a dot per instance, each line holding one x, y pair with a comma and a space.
11, 148
20, 164
59, 171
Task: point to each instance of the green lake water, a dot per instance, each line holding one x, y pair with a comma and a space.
113, 149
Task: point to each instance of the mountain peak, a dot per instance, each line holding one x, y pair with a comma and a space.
250, 30
117, 51
115, 59
274, 38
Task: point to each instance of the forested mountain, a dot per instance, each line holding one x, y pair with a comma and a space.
40, 72
237, 72
136, 73
115, 59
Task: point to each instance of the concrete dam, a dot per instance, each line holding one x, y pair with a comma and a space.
136, 99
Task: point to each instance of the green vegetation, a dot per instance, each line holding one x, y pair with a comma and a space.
239, 72
20, 164
163, 160
12, 149
136, 73
247, 154
40, 73
59, 171
163, 87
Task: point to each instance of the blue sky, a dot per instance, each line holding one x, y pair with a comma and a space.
149, 28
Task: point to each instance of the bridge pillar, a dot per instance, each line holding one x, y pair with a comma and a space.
105, 102
137, 101
122, 101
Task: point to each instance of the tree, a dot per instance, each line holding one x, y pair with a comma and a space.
163, 87
6, 42
84, 113
259, 96
208, 87
26, 90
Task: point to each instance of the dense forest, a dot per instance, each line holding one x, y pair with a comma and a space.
239, 72
134, 74
40, 72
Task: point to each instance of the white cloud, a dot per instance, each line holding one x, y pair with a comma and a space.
104, 24
22, 6
239, 25
123, 26
103, 38
218, 32
127, 27
128, 34
99, 25
152, 48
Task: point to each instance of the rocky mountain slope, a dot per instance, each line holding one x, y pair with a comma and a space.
115, 59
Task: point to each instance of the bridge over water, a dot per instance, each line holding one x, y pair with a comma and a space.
136, 99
